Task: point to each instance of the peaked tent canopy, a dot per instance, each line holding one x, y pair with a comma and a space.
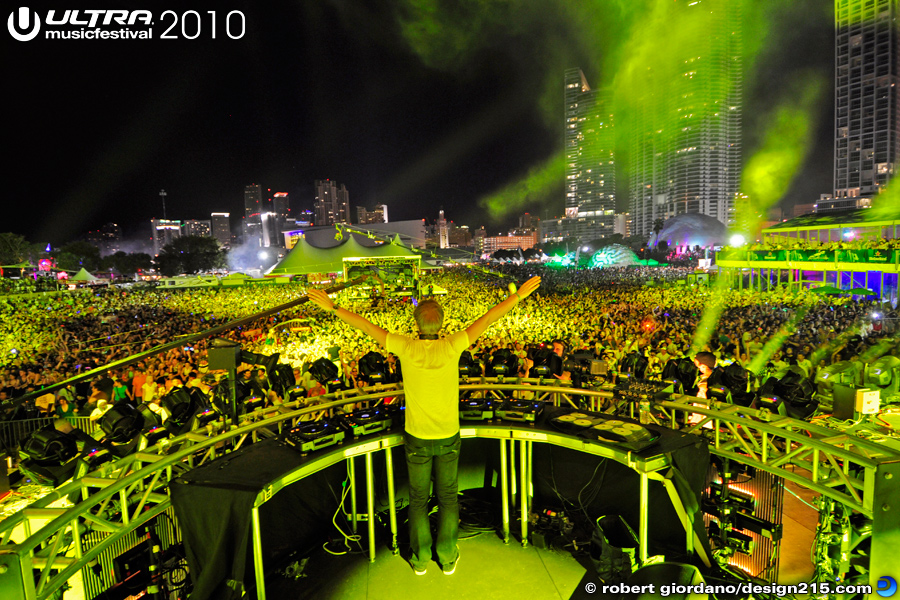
305, 258
83, 275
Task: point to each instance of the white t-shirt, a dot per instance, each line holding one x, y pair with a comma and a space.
431, 380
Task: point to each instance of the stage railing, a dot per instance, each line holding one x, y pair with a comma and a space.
124, 495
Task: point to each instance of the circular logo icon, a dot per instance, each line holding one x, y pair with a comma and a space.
887, 586
20, 20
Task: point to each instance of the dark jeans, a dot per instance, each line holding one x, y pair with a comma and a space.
439, 458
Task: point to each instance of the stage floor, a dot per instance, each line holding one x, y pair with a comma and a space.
489, 569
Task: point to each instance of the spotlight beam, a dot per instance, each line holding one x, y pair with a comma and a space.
777, 340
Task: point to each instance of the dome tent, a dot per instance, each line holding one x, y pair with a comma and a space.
692, 229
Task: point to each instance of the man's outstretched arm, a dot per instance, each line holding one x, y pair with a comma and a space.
321, 299
497, 312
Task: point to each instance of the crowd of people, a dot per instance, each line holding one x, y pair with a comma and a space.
849, 243
605, 313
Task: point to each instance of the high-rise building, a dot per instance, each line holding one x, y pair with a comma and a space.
281, 206
198, 227
622, 224
460, 236
685, 142
221, 228
252, 199
443, 231
866, 96
251, 224
164, 231
379, 215
529, 221
303, 218
590, 159
332, 203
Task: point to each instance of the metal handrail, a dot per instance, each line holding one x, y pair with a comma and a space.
195, 442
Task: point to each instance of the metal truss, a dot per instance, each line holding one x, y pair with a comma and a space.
45, 546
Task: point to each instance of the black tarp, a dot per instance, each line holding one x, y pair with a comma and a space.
213, 504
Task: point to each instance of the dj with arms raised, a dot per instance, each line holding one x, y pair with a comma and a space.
431, 381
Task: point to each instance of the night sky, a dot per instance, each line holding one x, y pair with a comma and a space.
334, 89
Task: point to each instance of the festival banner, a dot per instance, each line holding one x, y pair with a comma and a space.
813, 255
881, 256
768, 255
852, 256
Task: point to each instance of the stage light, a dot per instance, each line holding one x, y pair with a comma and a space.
719, 394
876, 315
845, 372
503, 362
154, 434
122, 423
281, 378
180, 405
683, 372
635, 364
47, 456
323, 370
267, 361
151, 419
546, 363
251, 403
734, 378
737, 240
884, 374
794, 389
372, 368
467, 365
263, 255
50, 446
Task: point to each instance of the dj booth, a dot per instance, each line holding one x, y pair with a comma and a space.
272, 499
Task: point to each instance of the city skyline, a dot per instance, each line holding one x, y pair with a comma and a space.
392, 111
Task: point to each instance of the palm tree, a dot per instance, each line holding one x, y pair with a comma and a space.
657, 227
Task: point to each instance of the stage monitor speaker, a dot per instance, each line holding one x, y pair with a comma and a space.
226, 358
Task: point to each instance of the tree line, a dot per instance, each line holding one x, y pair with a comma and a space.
188, 254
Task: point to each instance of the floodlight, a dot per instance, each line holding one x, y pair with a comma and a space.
503, 362
122, 422
372, 368
884, 374
737, 240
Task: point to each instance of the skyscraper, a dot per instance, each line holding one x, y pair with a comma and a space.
164, 231
685, 141
866, 96
442, 231
251, 225
332, 204
281, 206
198, 227
221, 228
590, 160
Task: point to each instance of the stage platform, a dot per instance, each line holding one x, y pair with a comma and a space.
490, 569
487, 569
